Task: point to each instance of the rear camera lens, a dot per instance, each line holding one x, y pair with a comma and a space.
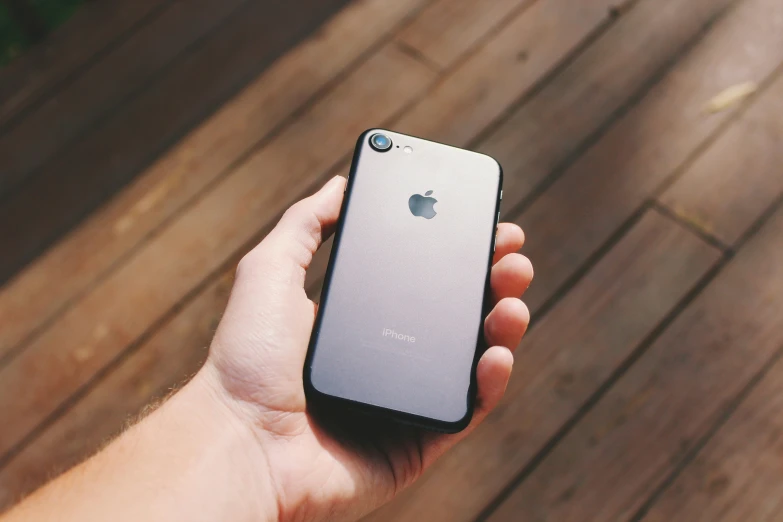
380, 142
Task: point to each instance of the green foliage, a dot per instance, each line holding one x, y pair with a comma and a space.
55, 12
12, 38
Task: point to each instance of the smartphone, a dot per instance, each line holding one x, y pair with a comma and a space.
399, 329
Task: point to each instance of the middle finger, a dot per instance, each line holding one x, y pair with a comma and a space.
510, 277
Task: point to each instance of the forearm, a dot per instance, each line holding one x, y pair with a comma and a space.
192, 459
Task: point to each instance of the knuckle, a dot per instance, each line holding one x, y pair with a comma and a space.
244, 265
291, 211
249, 262
295, 212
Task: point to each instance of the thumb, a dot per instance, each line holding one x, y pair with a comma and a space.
288, 249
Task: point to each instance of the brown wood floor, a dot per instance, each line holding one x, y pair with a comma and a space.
649, 386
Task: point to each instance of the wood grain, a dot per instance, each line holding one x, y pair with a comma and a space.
737, 476
79, 179
42, 70
726, 188
132, 300
446, 29
54, 124
559, 122
640, 430
508, 67
600, 192
557, 118
597, 193
265, 107
469, 98
564, 358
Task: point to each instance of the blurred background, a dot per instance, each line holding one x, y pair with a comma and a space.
146, 145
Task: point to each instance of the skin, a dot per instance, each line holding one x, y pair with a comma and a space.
237, 442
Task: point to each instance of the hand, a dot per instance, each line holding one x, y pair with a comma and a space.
258, 354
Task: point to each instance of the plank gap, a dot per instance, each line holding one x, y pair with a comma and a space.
591, 261
235, 164
623, 109
692, 227
541, 84
166, 317
602, 390
10, 191
742, 108
418, 55
713, 277
721, 421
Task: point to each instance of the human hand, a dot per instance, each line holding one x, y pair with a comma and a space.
320, 472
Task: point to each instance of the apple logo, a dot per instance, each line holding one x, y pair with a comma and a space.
423, 206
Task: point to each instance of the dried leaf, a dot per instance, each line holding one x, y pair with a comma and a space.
83, 353
731, 97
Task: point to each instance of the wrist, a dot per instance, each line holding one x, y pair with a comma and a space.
233, 438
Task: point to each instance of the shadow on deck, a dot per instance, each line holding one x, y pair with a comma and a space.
147, 145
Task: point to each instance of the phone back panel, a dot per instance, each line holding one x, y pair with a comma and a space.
402, 307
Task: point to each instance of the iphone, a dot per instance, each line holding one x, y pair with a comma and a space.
399, 329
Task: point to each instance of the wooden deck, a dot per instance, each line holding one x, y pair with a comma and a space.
141, 158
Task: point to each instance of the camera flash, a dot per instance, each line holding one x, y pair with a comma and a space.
407, 150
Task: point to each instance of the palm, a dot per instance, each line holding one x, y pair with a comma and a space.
329, 463
314, 457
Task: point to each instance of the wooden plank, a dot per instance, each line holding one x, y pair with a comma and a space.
591, 199
32, 141
165, 361
39, 294
132, 300
78, 180
448, 28
509, 66
640, 430
607, 315
724, 191
43, 68
737, 476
